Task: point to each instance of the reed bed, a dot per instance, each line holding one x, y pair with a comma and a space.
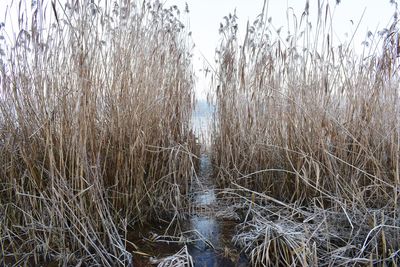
307, 124
95, 106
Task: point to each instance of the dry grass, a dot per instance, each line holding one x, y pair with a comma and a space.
95, 136
309, 125
179, 259
94, 129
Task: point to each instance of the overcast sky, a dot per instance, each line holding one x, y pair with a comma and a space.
206, 15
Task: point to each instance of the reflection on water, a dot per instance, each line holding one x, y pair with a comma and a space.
205, 223
206, 252
203, 190
207, 197
213, 246
208, 227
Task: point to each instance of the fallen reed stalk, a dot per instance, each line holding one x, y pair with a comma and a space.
95, 107
180, 259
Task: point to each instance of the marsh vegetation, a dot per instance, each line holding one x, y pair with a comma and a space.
94, 129
307, 132
299, 166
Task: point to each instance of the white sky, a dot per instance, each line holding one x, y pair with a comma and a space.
206, 15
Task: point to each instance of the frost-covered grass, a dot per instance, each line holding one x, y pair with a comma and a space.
313, 128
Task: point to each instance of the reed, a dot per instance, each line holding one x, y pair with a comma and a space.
307, 124
95, 106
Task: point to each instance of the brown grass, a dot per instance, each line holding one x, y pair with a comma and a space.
94, 129
311, 126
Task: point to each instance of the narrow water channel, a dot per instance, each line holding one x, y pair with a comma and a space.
217, 248
206, 252
211, 235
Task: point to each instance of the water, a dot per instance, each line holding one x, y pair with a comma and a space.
204, 220
201, 121
217, 251
213, 247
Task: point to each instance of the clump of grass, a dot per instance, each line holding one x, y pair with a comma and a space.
278, 233
94, 128
181, 258
304, 121
272, 243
